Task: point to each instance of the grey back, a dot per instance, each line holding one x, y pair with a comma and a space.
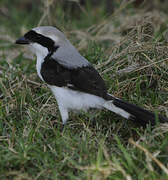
68, 56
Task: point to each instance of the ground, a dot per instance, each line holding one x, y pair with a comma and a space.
129, 49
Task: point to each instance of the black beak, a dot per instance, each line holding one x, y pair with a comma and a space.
22, 40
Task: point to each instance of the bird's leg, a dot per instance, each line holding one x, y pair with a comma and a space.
64, 114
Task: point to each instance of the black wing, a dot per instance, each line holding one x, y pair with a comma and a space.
85, 79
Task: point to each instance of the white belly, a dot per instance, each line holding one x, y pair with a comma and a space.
75, 100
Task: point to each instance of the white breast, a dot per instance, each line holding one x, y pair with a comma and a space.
38, 66
41, 52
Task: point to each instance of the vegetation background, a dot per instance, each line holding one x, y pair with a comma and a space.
127, 43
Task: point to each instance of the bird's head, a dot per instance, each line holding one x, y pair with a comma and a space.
43, 39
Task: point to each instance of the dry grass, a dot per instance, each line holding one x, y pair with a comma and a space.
130, 51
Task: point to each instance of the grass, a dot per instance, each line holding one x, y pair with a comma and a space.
130, 51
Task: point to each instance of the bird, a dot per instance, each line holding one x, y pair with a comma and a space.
74, 81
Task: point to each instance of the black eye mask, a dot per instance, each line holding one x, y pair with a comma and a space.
47, 42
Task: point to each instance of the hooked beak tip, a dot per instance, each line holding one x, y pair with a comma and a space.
22, 40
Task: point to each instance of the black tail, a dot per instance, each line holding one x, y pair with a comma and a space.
137, 114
